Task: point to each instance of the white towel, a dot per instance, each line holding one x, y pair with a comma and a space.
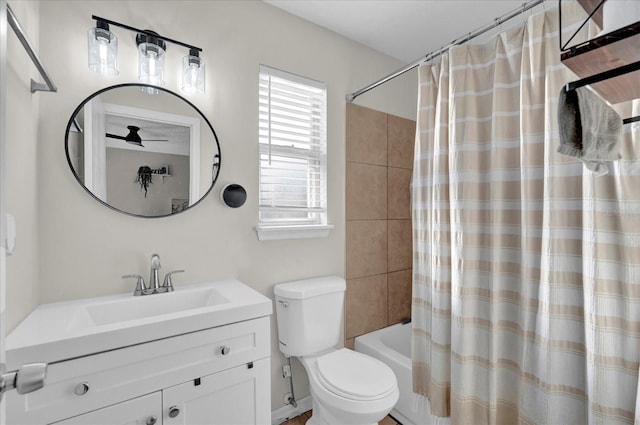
590, 129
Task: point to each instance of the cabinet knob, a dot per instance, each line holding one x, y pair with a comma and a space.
224, 350
151, 420
174, 411
82, 388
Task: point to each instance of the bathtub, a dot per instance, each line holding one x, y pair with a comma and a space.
392, 345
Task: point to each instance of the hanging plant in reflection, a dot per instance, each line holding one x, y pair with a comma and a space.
144, 178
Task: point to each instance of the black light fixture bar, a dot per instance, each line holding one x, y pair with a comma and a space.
147, 32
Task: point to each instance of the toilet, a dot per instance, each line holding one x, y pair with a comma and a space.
347, 388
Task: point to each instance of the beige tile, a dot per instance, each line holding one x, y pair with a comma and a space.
366, 135
350, 343
365, 305
366, 193
399, 193
400, 140
400, 245
399, 290
366, 248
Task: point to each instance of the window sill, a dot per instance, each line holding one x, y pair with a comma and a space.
270, 233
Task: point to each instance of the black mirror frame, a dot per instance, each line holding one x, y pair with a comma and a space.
215, 166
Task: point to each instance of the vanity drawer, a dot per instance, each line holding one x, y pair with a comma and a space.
80, 385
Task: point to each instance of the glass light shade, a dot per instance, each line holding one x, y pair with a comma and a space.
193, 74
103, 51
151, 64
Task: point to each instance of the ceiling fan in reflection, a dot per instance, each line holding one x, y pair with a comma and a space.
133, 137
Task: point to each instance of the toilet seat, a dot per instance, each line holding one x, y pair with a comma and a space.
339, 393
355, 376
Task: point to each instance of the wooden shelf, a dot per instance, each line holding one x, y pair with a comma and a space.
612, 50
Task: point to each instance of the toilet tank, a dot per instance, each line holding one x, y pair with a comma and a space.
309, 314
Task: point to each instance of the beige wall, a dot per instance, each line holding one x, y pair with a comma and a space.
22, 166
379, 159
81, 248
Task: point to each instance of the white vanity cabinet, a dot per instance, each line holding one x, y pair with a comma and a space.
145, 410
232, 397
212, 376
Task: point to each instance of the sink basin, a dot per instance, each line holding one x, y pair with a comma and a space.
65, 330
153, 305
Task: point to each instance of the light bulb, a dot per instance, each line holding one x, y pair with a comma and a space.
102, 49
151, 60
193, 70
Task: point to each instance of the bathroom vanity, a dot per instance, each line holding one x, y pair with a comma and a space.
199, 355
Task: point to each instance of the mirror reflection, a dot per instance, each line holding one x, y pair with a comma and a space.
148, 155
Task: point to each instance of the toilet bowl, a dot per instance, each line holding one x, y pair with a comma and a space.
347, 388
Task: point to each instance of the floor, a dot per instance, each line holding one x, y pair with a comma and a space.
300, 420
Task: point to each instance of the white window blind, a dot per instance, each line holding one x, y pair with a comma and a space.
293, 148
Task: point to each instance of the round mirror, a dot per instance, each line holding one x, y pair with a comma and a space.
142, 150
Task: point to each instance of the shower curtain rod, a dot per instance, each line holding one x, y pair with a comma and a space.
434, 54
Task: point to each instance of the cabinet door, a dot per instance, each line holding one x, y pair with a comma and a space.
146, 410
236, 396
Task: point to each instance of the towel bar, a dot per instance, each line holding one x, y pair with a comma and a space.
35, 86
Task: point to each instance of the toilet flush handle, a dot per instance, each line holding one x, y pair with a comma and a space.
284, 304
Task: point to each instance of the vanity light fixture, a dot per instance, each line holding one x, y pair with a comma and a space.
152, 47
103, 49
193, 73
151, 50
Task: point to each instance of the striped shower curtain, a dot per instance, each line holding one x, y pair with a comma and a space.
526, 281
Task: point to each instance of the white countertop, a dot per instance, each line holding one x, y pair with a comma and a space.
65, 330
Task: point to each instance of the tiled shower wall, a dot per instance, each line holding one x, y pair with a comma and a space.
378, 228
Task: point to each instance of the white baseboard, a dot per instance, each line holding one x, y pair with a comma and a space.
287, 412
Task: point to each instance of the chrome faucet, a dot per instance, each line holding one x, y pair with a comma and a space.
168, 282
154, 280
140, 287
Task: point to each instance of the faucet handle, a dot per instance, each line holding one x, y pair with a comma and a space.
168, 283
139, 283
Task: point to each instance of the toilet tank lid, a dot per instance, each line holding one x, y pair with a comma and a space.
308, 288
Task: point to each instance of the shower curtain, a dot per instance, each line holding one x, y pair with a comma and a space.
526, 281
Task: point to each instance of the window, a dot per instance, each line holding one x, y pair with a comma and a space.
293, 155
